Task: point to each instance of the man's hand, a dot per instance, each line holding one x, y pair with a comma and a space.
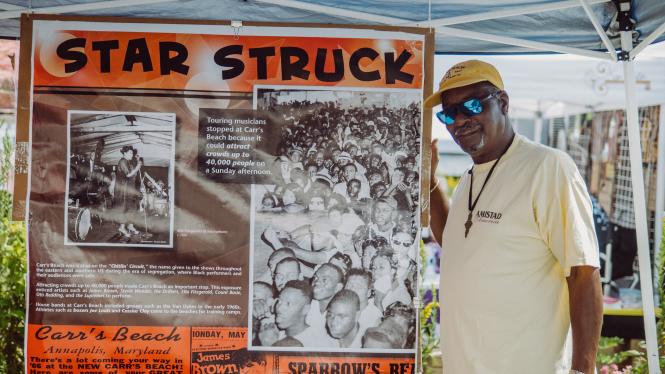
268, 332
586, 316
438, 201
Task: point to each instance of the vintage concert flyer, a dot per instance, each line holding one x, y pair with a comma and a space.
203, 198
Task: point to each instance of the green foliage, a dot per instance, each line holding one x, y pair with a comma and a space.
635, 361
12, 276
429, 314
609, 352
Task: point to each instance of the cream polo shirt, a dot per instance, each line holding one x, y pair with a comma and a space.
504, 297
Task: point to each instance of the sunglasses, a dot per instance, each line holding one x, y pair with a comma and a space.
469, 108
404, 244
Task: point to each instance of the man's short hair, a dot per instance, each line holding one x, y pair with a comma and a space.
347, 297
302, 286
287, 260
386, 200
375, 333
399, 309
335, 268
356, 272
344, 258
353, 180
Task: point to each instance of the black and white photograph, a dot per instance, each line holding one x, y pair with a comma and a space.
120, 179
335, 235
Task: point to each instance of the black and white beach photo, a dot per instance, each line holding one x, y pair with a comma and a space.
335, 235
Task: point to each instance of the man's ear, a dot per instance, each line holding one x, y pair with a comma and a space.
504, 102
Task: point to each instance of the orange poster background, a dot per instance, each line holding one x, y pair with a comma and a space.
203, 73
107, 349
347, 364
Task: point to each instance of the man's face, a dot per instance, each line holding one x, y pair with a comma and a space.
326, 283
359, 285
349, 172
290, 308
285, 271
261, 292
312, 170
341, 318
381, 267
296, 157
316, 204
383, 213
401, 243
353, 189
319, 159
480, 134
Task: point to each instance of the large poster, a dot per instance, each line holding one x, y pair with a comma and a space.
214, 199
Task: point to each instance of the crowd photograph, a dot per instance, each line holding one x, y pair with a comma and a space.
335, 234
120, 179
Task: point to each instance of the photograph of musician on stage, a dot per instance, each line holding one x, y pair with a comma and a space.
120, 179
335, 236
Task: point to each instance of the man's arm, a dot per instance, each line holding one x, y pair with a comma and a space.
438, 201
586, 315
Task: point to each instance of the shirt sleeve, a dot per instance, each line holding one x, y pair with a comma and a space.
563, 211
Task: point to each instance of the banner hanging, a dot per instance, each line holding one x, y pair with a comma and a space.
211, 199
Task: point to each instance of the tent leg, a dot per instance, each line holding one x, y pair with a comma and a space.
538, 124
639, 204
660, 191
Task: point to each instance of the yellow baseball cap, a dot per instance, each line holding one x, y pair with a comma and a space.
463, 74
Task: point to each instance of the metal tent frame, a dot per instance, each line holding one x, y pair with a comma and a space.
624, 55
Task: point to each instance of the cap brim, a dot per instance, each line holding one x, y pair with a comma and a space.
433, 100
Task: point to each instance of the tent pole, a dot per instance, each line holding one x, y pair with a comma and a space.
648, 40
660, 190
599, 29
639, 205
538, 124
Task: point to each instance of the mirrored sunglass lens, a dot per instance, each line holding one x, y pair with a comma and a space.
474, 106
445, 118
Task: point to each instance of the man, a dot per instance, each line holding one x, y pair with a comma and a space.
291, 309
349, 172
360, 282
275, 257
377, 338
383, 217
263, 298
342, 319
328, 280
519, 264
286, 270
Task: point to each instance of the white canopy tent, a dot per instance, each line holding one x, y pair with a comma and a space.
592, 28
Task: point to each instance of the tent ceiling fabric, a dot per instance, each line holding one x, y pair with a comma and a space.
568, 27
150, 136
